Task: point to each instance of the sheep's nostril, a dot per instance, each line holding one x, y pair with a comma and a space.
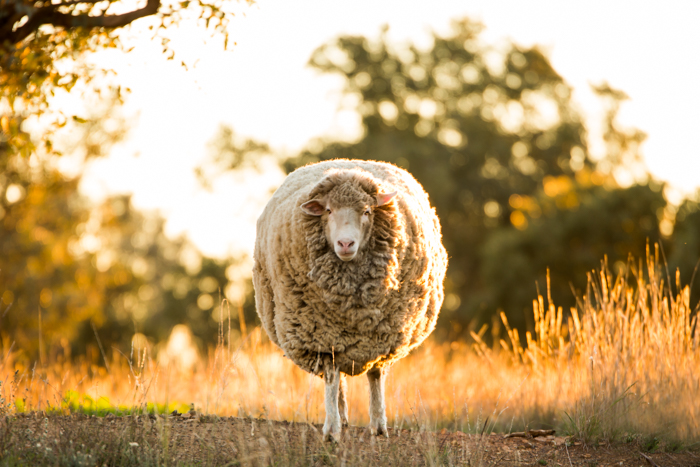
345, 244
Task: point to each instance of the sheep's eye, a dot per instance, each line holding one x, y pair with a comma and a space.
328, 210
367, 212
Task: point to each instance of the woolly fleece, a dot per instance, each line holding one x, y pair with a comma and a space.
360, 314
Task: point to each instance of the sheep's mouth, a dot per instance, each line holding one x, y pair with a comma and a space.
346, 256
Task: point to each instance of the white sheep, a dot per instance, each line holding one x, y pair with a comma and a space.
348, 275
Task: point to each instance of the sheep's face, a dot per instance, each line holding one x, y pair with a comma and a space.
347, 227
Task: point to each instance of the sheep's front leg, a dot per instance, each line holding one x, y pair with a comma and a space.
377, 406
343, 400
331, 429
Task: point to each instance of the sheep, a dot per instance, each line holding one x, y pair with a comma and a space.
348, 275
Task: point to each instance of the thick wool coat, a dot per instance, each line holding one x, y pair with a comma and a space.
358, 314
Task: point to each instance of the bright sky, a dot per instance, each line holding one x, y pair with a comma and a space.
264, 90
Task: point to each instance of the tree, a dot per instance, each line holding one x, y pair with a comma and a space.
567, 229
571, 224
41, 282
45, 287
229, 152
685, 249
55, 286
43, 45
22, 19
162, 282
489, 132
70, 269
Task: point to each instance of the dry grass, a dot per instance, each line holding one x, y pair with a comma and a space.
625, 362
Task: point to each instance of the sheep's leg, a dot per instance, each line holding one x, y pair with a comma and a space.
331, 429
343, 400
377, 406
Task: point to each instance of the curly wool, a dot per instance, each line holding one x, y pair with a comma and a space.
359, 314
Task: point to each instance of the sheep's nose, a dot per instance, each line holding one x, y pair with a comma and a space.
345, 245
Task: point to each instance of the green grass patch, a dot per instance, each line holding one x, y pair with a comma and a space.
74, 402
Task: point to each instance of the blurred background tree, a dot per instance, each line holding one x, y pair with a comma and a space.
74, 275
566, 229
45, 48
491, 133
493, 136
685, 249
159, 282
69, 269
37, 270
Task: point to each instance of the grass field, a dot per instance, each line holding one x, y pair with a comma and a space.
624, 365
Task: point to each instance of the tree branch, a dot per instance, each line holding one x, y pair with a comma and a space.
73, 2
49, 15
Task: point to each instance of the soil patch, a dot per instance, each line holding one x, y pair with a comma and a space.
36, 439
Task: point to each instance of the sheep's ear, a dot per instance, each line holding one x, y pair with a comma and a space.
383, 198
313, 207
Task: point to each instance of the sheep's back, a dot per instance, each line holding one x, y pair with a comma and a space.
311, 323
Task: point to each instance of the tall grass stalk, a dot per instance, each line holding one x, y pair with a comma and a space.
625, 359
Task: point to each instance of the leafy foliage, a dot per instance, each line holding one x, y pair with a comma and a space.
74, 275
70, 271
44, 45
229, 151
66, 267
42, 282
577, 227
162, 282
685, 248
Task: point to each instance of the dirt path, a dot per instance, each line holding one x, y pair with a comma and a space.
32, 439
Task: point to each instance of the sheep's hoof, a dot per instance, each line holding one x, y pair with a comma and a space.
344, 421
331, 435
379, 431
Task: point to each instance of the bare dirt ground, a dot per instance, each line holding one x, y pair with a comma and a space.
38, 439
